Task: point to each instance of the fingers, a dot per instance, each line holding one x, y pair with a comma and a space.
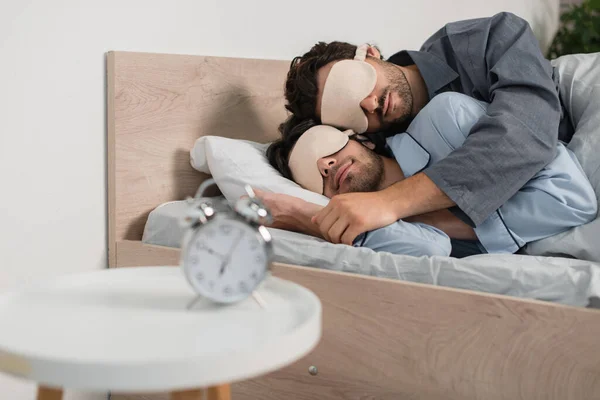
327, 222
319, 217
268, 198
331, 221
259, 193
334, 205
350, 234
333, 224
337, 230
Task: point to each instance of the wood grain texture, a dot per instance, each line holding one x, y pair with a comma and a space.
140, 396
46, 393
388, 339
221, 392
187, 395
132, 253
158, 105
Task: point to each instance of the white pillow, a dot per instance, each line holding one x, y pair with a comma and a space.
234, 163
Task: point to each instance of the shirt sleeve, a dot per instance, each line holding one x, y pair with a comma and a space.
413, 239
517, 136
558, 198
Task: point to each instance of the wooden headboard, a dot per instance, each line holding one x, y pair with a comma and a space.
158, 105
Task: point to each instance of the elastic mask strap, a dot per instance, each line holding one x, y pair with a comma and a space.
361, 52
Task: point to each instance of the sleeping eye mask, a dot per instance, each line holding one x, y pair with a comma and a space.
317, 142
346, 86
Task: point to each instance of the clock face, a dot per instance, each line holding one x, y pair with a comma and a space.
225, 260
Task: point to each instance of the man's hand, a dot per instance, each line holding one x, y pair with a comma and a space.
348, 215
289, 212
281, 207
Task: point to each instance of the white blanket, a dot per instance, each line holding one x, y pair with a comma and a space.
560, 280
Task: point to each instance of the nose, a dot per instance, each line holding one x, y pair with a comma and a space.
325, 164
370, 103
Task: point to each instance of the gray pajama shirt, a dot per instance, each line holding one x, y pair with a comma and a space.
497, 60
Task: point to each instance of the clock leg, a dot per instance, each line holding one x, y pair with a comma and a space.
221, 392
187, 395
46, 393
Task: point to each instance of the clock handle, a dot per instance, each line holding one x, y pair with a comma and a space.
252, 207
211, 181
203, 186
250, 191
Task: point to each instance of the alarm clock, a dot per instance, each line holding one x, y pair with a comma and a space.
226, 250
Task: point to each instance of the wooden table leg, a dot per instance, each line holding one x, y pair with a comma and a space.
187, 395
46, 393
222, 392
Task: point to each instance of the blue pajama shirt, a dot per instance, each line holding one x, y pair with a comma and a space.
557, 198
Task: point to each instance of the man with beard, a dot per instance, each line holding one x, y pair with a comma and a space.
324, 160
496, 60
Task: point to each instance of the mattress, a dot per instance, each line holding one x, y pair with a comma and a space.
561, 280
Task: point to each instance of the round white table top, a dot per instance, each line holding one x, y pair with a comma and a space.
133, 329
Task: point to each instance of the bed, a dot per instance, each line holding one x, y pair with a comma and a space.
383, 337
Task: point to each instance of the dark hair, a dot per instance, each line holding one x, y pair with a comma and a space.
301, 87
278, 152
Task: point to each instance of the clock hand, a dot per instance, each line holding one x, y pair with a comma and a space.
228, 257
214, 253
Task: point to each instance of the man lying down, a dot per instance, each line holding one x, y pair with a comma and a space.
326, 160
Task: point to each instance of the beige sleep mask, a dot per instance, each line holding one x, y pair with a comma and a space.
348, 83
317, 142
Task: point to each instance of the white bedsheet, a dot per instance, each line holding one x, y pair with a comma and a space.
560, 280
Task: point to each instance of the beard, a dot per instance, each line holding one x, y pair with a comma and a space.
399, 85
369, 176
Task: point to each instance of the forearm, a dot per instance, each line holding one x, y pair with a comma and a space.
301, 219
298, 218
416, 195
517, 135
290, 213
447, 222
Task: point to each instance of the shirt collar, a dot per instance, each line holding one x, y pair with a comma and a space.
435, 72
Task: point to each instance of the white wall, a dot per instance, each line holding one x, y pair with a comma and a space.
52, 99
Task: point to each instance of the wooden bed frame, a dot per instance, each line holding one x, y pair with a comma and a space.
382, 339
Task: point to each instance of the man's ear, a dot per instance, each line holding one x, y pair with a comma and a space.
362, 139
373, 52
